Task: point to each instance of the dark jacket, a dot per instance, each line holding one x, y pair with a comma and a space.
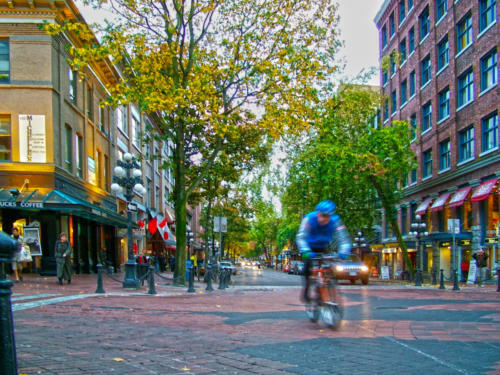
63, 263
481, 259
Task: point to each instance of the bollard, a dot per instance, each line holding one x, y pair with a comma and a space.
100, 288
441, 279
455, 280
221, 278
498, 279
434, 276
418, 278
191, 279
209, 279
151, 280
228, 278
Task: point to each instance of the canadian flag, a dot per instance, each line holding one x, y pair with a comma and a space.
153, 225
163, 223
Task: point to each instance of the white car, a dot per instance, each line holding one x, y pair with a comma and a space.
228, 265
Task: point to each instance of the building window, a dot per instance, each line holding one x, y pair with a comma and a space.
489, 126
404, 92
411, 40
79, 155
5, 138
384, 36
424, 23
385, 77
441, 8
410, 4
402, 50
121, 119
426, 70
402, 10
386, 109
413, 176
4, 61
465, 88
105, 172
68, 150
444, 155
412, 83
444, 104
466, 144
404, 221
72, 77
99, 169
427, 163
487, 13
90, 103
392, 25
489, 75
464, 32
393, 64
443, 50
413, 125
426, 116
394, 104
136, 127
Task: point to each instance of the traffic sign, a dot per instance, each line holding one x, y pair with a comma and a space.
220, 224
132, 207
454, 226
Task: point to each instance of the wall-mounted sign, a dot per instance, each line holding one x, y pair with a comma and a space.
465, 242
32, 147
91, 171
6, 204
490, 240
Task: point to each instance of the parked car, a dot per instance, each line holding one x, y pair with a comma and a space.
286, 267
300, 268
228, 265
351, 269
294, 268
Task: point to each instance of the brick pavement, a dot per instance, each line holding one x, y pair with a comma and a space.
388, 330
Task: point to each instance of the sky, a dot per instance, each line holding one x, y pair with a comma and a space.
357, 29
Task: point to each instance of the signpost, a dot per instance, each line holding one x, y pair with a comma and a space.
454, 229
220, 225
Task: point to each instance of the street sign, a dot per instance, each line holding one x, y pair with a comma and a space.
220, 224
132, 207
454, 226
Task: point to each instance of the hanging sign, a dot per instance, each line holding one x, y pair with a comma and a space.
32, 147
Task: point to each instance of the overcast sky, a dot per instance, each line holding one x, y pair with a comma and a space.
356, 26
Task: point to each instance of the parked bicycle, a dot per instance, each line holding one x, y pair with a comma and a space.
326, 304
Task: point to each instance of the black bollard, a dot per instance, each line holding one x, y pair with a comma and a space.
418, 278
434, 276
498, 279
8, 357
191, 280
100, 288
441, 279
151, 280
221, 278
209, 279
228, 278
455, 280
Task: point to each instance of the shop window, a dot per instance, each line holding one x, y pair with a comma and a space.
5, 138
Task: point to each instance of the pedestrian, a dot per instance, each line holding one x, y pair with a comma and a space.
161, 261
464, 266
481, 261
17, 265
63, 252
172, 264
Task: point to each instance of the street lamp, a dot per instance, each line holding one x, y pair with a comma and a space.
359, 242
419, 230
127, 180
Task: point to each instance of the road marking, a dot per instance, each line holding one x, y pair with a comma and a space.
51, 301
34, 296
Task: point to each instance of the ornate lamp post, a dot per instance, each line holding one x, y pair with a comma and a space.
127, 179
419, 230
359, 242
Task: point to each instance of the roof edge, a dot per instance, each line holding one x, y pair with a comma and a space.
381, 11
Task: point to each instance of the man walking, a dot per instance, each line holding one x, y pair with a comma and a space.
481, 261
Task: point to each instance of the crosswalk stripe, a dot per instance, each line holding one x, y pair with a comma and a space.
34, 296
50, 301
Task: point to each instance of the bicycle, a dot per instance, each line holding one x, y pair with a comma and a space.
326, 305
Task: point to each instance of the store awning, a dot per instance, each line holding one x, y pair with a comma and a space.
459, 197
169, 214
484, 190
439, 203
58, 201
162, 228
422, 207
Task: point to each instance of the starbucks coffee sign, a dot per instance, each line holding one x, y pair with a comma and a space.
6, 204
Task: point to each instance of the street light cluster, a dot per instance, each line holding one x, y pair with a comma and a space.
360, 240
419, 230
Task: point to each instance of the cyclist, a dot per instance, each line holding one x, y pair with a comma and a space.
317, 230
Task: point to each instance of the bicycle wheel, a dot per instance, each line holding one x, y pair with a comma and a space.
312, 311
331, 311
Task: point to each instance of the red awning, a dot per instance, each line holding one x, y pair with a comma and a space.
422, 208
439, 203
483, 191
459, 197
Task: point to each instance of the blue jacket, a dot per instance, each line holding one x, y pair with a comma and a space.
312, 235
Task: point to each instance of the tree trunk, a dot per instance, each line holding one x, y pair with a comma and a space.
389, 210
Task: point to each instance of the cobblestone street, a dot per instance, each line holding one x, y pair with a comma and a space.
388, 329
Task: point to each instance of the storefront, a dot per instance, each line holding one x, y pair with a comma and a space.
43, 215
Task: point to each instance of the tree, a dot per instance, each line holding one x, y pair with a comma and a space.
206, 66
350, 161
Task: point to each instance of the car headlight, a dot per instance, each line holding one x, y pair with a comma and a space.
339, 268
364, 268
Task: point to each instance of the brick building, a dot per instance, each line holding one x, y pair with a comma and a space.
58, 146
439, 72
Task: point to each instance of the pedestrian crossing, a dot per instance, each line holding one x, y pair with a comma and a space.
30, 301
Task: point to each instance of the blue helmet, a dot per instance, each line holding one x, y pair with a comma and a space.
326, 207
